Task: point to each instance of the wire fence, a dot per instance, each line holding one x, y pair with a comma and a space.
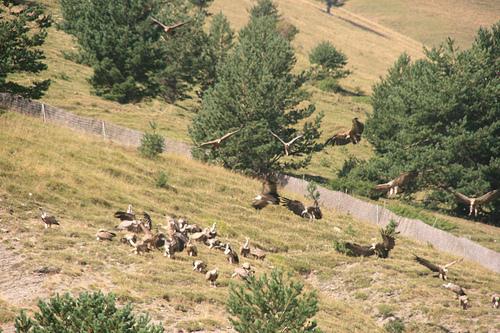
339, 201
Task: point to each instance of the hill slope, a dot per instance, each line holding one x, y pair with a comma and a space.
83, 181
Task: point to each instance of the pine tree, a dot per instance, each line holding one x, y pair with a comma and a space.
90, 312
328, 61
265, 8
21, 33
272, 304
256, 90
221, 37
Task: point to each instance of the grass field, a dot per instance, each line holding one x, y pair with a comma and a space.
83, 181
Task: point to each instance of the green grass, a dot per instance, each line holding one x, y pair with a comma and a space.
420, 214
83, 181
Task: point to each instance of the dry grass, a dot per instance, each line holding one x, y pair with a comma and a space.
83, 181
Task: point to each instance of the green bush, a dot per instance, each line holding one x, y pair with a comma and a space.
272, 304
90, 312
152, 143
395, 326
328, 62
162, 180
329, 84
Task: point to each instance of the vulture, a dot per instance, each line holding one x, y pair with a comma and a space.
441, 270
257, 253
357, 250
245, 248
168, 28
288, 144
356, 130
47, 219
243, 272
455, 288
199, 266
105, 235
191, 249
464, 302
475, 203
298, 208
495, 301
130, 239
388, 241
201, 236
352, 136
142, 247
212, 277
268, 196
339, 139
217, 142
231, 255
393, 186
212, 232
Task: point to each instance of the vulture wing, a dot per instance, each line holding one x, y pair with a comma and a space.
462, 198
163, 26
177, 25
385, 186
124, 216
295, 139
339, 139
490, 196
208, 143
427, 263
225, 136
277, 137
357, 250
295, 206
453, 263
389, 241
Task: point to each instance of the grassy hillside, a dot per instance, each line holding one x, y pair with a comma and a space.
83, 181
428, 21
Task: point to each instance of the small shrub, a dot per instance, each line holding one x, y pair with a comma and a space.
341, 248
328, 62
395, 326
90, 312
385, 310
162, 180
152, 143
272, 304
329, 84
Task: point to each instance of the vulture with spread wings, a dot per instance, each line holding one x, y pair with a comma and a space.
217, 142
351, 136
168, 29
268, 196
442, 270
298, 208
475, 203
287, 145
394, 186
357, 250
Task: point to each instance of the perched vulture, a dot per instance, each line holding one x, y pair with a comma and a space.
393, 186
212, 277
288, 144
475, 203
217, 142
441, 270
464, 302
269, 195
257, 253
130, 239
191, 249
231, 255
357, 250
356, 130
201, 236
105, 235
352, 136
339, 139
495, 301
47, 219
142, 247
147, 222
199, 266
455, 288
298, 208
245, 248
243, 272
168, 28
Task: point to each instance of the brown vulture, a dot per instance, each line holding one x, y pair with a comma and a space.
394, 186
298, 208
339, 139
351, 136
217, 142
257, 253
495, 301
243, 272
212, 277
475, 203
168, 28
357, 250
105, 235
231, 255
191, 249
199, 266
288, 144
442, 270
455, 288
245, 248
47, 219
388, 235
268, 196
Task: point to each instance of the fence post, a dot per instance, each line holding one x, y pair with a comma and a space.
43, 113
103, 129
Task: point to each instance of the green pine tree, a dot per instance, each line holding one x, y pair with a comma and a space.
272, 304
21, 35
265, 8
256, 90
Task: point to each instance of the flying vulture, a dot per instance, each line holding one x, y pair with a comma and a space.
288, 144
47, 219
105, 235
269, 195
298, 208
393, 186
351, 136
475, 203
495, 301
217, 142
212, 277
168, 28
199, 266
441, 270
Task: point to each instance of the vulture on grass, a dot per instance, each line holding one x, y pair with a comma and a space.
298, 208
47, 219
495, 301
217, 142
394, 186
286, 145
168, 29
105, 235
245, 248
351, 136
475, 203
455, 288
199, 266
357, 250
231, 255
268, 196
442, 270
243, 272
212, 277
